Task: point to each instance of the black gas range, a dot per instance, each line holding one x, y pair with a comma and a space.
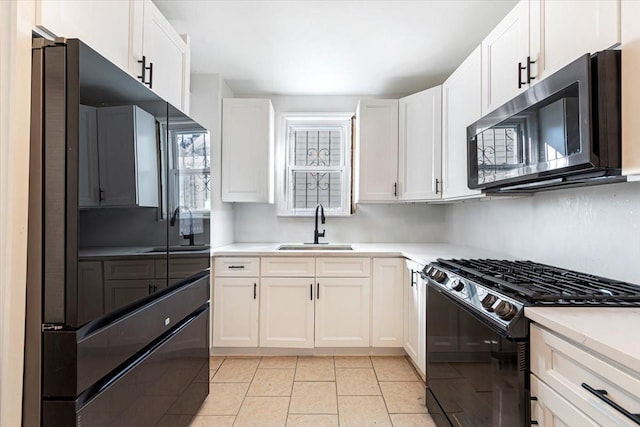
477, 334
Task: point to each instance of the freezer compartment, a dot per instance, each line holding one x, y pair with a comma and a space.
75, 360
169, 380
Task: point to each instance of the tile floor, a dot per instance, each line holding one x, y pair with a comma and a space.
313, 391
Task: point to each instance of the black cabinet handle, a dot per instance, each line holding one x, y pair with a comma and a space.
150, 68
437, 182
412, 277
101, 195
150, 289
529, 76
318, 291
233, 267
602, 395
144, 69
255, 290
520, 69
395, 189
311, 292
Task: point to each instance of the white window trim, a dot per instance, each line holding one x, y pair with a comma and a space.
308, 120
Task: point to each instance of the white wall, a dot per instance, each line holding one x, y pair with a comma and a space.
207, 91
592, 229
372, 223
16, 22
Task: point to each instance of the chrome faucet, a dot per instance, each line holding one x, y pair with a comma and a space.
172, 222
316, 233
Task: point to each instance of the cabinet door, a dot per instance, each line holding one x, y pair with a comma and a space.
103, 25
286, 312
420, 144
89, 178
90, 291
388, 299
502, 50
247, 150
552, 410
594, 24
235, 312
460, 108
342, 312
377, 147
421, 284
168, 53
411, 340
118, 293
128, 157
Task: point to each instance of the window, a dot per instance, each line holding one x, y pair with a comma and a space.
318, 164
191, 170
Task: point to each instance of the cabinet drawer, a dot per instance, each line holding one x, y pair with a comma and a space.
343, 267
288, 266
550, 409
133, 269
236, 266
565, 367
181, 268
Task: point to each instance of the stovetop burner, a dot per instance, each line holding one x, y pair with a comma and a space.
543, 284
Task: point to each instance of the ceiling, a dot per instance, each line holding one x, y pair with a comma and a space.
308, 47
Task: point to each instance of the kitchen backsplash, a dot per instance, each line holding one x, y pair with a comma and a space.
593, 229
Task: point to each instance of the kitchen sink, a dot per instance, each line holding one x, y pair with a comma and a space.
315, 247
185, 248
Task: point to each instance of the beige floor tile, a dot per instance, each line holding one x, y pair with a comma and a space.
212, 372
313, 398
362, 411
268, 362
215, 362
392, 368
315, 369
272, 382
357, 382
263, 412
298, 420
404, 397
224, 399
412, 420
175, 421
353, 362
213, 421
236, 370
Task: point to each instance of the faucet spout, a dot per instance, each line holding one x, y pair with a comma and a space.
316, 233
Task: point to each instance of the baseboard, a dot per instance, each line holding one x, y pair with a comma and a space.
318, 351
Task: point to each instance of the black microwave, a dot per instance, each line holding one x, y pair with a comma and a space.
564, 130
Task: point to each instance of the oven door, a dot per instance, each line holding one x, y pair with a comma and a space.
476, 376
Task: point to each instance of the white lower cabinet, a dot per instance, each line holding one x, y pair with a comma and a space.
388, 300
561, 368
235, 312
415, 308
342, 312
118, 293
287, 312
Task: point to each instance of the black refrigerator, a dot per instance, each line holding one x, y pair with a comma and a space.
117, 328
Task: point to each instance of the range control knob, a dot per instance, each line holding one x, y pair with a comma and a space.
505, 310
438, 275
488, 301
457, 285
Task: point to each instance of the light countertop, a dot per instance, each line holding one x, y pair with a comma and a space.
422, 253
610, 331
134, 251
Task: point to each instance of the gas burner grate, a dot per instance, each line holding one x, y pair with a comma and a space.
542, 283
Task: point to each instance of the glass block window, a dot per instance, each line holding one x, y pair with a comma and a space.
318, 166
191, 171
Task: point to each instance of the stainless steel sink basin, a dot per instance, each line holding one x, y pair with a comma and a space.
195, 248
314, 247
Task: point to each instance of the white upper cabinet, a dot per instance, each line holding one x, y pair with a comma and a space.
377, 148
420, 144
166, 56
89, 177
127, 156
506, 47
103, 25
562, 31
247, 150
630, 89
461, 95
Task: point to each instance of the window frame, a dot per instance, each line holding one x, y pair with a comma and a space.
284, 160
